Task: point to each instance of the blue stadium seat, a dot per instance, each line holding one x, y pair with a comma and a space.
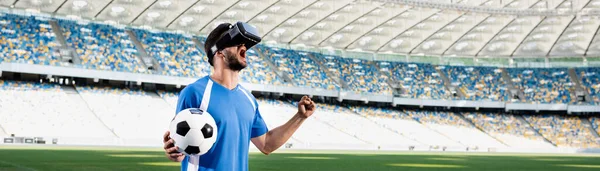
590, 78
300, 67
102, 47
27, 39
361, 76
543, 85
177, 54
417, 80
477, 83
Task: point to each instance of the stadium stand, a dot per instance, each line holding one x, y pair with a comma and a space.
406, 126
137, 116
169, 97
453, 126
102, 47
360, 75
590, 78
177, 54
27, 39
507, 129
595, 123
418, 80
298, 66
356, 125
565, 131
314, 133
258, 71
477, 83
543, 85
30, 109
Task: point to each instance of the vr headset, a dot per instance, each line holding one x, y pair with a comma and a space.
238, 33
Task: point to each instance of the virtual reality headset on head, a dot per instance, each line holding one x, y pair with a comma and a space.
238, 33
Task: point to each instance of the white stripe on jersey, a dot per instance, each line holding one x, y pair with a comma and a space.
206, 96
194, 160
249, 98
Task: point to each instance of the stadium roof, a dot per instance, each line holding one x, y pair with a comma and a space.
428, 27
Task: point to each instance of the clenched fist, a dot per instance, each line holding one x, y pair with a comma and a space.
306, 107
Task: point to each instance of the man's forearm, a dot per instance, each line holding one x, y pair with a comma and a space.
278, 136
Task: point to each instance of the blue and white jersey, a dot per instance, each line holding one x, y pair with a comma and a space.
238, 120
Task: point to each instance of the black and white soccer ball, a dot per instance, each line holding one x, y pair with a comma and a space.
194, 131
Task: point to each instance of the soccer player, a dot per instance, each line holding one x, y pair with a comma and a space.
235, 111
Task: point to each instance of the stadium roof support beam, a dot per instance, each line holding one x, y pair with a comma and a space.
475, 26
143, 11
591, 41
262, 11
438, 30
345, 25
288, 17
559, 36
180, 14
506, 25
468, 32
103, 8
526, 36
489, 40
221, 13
374, 27
391, 38
318, 21
60, 6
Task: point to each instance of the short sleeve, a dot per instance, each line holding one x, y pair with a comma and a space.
188, 98
259, 127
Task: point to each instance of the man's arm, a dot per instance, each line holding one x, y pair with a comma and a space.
273, 139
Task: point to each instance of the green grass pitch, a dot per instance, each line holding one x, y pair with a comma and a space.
28, 158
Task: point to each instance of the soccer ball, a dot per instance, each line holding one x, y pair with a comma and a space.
194, 131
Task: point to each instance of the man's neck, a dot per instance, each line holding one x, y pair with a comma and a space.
226, 77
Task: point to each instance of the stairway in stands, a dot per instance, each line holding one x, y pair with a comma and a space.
2, 132
330, 75
523, 120
147, 60
579, 88
586, 123
480, 129
455, 90
512, 90
275, 69
78, 100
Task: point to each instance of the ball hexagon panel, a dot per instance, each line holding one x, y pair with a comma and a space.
192, 149
207, 131
182, 128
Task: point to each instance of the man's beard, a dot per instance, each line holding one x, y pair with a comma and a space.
232, 62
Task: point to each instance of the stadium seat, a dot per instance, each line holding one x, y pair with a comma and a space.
477, 83
590, 78
361, 76
417, 80
451, 125
543, 85
507, 129
137, 116
177, 54
102, 47
28, 39
258, 71
406, 126
564, 131
277, 112
30, 109
300, 67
